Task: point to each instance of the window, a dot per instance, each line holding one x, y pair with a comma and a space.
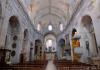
49, 43
38, 27
61, 27
50, 27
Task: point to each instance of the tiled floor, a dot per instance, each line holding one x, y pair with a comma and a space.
50, 66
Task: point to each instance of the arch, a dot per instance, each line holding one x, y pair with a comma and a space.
38, 42
12, 38
87, 23
50, 46
47, 39
23, 56
49, 33
25, 40
13, 21
38, 49
86, 19
61, 42
26, 34
13, 25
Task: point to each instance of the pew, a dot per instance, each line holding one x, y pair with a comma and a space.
69, 65
41, 65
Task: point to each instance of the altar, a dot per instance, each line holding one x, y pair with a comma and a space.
50, 55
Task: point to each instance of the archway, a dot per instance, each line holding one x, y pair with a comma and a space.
23, 55
12, 38
50, 46
38, 49
61, 43
25, 39
89, 29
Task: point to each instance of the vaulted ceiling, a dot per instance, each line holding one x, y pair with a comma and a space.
50, 12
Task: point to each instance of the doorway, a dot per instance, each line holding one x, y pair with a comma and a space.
50, 47
87, 23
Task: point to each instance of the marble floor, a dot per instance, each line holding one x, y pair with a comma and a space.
50, 66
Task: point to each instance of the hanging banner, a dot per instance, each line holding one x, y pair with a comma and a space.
75, 43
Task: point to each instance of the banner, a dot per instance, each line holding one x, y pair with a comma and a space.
75, 43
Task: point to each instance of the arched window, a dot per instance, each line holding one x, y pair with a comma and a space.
49, 43
38, 27
61, 27
25, 33
50, 27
